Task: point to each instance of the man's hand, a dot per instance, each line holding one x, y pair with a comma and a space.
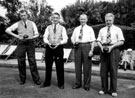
102, 49
110, 48
19, 37
49, 44
91, 53
54, 46
57, 44
31, 37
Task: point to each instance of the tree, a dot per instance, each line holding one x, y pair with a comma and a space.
12, 6
93, 10
124, 11
41, 19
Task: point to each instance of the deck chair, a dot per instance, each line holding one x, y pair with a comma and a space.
7, 50
2, 48
39, 55
67, 54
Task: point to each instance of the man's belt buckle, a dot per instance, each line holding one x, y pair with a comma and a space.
76, 45
53, 46
106, 49
25, 36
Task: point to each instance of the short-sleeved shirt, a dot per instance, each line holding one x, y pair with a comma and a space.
116, 34
88, 34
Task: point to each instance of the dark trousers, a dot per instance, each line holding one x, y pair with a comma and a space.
57, 56
29, 48
82, 59
109, 65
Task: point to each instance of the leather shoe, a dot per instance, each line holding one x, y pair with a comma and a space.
76, 86
44, 85
22, 83
61, 87
37, 82
86, 88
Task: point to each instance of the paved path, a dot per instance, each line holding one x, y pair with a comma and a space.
69, 67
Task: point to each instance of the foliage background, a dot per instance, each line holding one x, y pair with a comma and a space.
124, 12
41, 20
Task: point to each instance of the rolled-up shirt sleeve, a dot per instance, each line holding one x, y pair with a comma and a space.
99, 36
120, 35
12, 27
45, 36
73, 36
92, 35
64, 36
35, 29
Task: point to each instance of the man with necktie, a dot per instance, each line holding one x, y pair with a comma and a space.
27, 31
55, 36
83, 38
109, 39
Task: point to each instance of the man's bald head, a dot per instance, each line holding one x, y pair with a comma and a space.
83, 19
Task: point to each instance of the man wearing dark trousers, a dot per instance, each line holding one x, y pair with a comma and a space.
55, 36
83, 38
27, 31
109, 39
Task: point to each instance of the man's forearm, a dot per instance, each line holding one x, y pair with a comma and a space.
12, 34
64, 41
118, 44
92, 46
35, 36
100, 45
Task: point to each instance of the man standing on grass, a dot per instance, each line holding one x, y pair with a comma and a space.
27, 31
109, 39
83, 38
55, 36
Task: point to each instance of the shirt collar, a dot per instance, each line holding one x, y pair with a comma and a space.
25, 21
110, 26
84, 25
56, 25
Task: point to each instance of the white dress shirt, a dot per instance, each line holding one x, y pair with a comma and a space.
116, 34
64, 35
88, 35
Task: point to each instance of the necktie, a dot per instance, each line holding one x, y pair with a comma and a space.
108, 40
54, 30
81, 33
25, 25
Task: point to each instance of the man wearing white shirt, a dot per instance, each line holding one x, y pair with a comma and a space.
83, 38
55, 36
109, 39
27, 31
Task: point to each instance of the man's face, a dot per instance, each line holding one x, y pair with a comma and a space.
23, 16
55, 18
83, 19
109, 20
